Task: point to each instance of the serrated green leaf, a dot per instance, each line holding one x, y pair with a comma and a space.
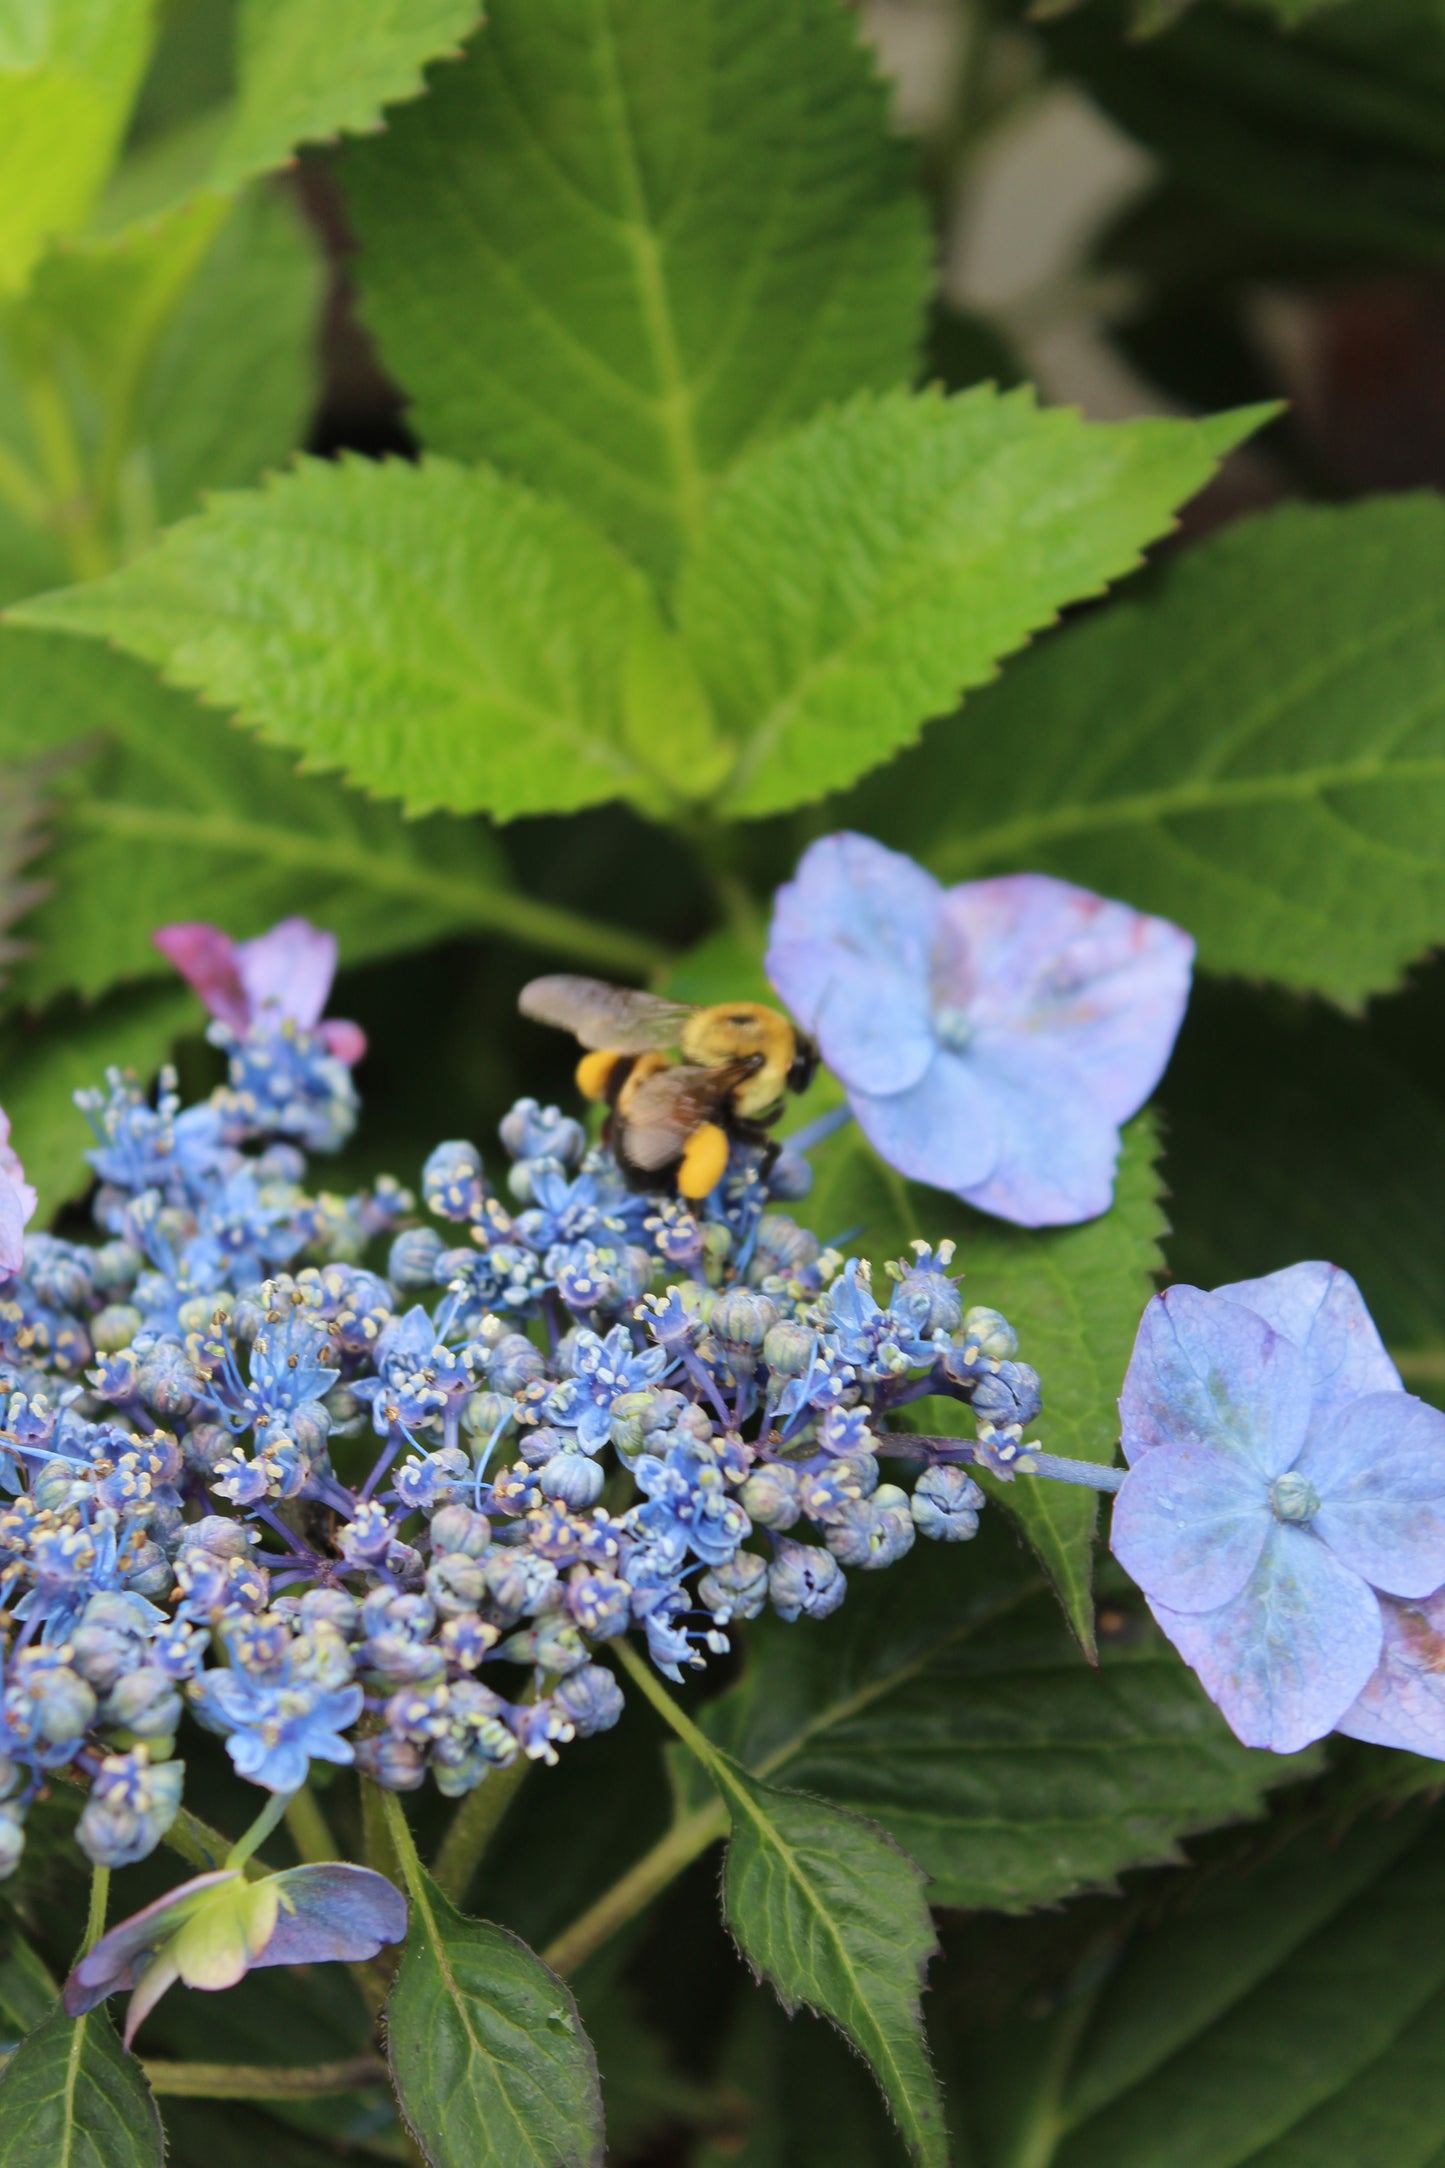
827, 1908
178, 815
491, 2064
947, 1702
27, 1991
1288, 2018
1256, 750
308, 71
1074, 1295
44, 1059
69, 71
853, 579
70, 2097
625, 240
23, 806
441, 634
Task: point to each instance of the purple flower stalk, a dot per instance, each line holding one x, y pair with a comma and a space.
992, 1037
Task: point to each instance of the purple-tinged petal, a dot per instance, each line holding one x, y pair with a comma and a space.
1319, 1308
209, 961
1207, 1372
345, 1040
154, 1980
1379, 1468
942, 1130
120, 1955
1042, 960
13, 1217
1056, 1148
1289, 1654
333, 1912
849, 950
1403, 1703
1189, 1526
292, 966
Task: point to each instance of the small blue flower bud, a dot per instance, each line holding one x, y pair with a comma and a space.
1008, 1395
791, 1177
994, 1335
571, 1479
770, 1496
115, 1327
590, 1700
805, 1581
411, 1261
12, 1837
847, 1480
451, 1181
167, 1383
133, 1802
599, 1602
553, 1643
519, 1581
461, 1528
946, 1503
789, 1348
513, 1363
144, 1703
397, 1764
736, 1590
115, 1268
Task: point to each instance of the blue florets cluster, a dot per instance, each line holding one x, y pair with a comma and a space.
389, 1516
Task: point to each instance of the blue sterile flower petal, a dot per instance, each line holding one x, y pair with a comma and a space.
1378, 1467
333, 1911
1403, 1703
942, 1130
122, 1952
1319, 1308
1207, 1372
1190, 1524
991, 1038
852, 937
1287, 1656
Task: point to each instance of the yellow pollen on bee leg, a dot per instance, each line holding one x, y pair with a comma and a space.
704, 1163
593, 1070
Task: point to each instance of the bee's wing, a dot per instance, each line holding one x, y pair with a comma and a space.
618, 1018
662, 1111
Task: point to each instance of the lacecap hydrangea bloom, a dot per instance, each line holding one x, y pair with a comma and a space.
991, 1037
1284, 1512
372, 1481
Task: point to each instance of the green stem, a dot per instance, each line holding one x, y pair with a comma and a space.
310, 1830
686, 1841
20, 489
472, 1828
99, 1899
260, 2081
259, 1830
403, 1844
71, 511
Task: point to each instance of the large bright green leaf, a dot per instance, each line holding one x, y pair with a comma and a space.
70, 2097
308, 71
1293, 2017
1256, 749
625, 240
178, 815
832, 1913
440, 634
946, 1701
491, 2064
69, 70
1073, 1294
853, 579
22, 807
44, 1059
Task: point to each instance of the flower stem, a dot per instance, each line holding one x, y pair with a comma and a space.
259, 1830
686, 1841
260, 2081
472, 1828
99, 1899
310, 1830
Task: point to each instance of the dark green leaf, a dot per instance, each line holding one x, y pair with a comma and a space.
1074, 1295
1290, 2018
440, 634
178, 815
800, 2099
946, 1701
850, 581
491, 2064
27, 1991
827, 1908
22, 808
625, 240
70, 2097
1256, 750
44, 1059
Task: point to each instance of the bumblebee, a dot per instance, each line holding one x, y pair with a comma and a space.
671, 1122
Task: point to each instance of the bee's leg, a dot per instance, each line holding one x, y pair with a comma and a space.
596, 1073
704, 1162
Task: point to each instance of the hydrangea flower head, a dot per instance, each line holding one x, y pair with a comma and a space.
1284, 1493
991, 1037
286, 973
17, 1203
